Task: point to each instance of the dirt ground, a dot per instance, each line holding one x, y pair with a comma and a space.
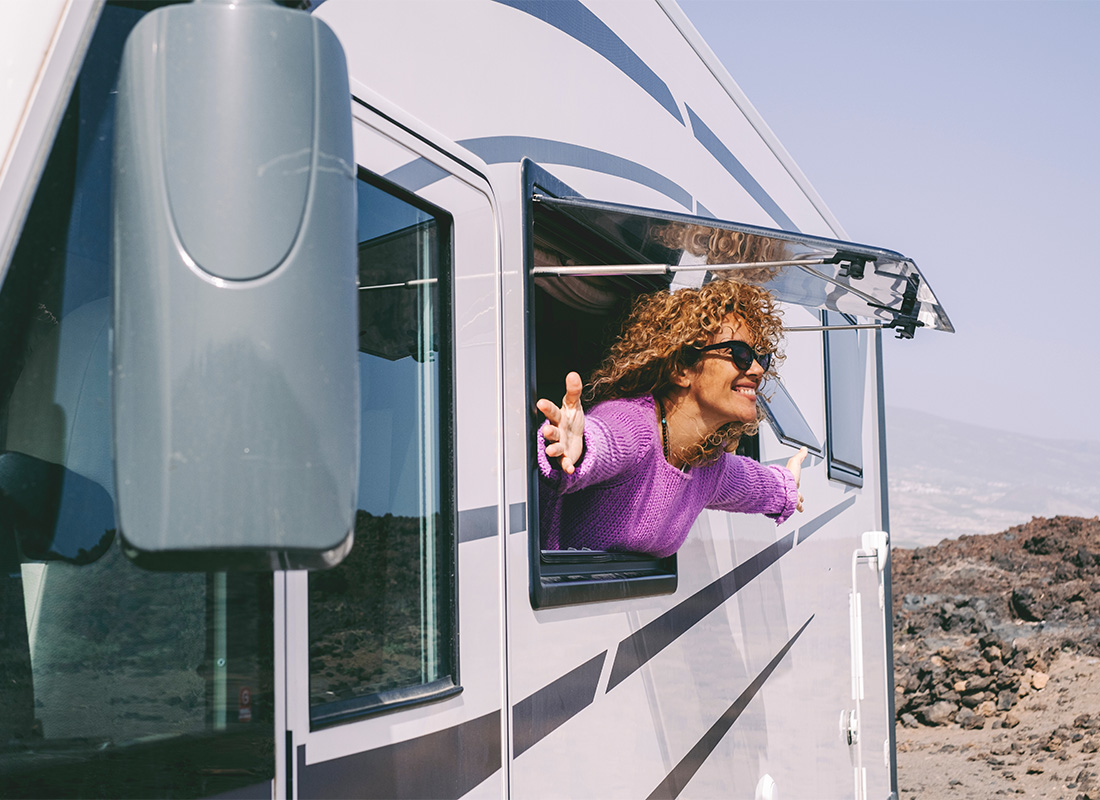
1030, 760
1031, 592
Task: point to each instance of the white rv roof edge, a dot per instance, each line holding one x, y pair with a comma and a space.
695, 39
42, 97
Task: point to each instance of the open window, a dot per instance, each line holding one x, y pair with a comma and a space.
587, 260
786, 419
584, 313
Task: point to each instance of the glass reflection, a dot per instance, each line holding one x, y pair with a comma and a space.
380, 622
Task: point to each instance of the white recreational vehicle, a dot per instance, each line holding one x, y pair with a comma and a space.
246, 555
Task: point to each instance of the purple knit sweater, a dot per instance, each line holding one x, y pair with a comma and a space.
625, 496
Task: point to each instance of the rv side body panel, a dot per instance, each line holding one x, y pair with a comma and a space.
643, 121
765, 670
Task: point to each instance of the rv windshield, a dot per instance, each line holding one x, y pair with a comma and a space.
114, 681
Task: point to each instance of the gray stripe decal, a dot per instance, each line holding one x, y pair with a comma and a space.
543, 712
477, 523
683, 772
820, 521
441, 765
513, 149
417, 174
509, 149
652, 638
517, 517
714, 145
573, 19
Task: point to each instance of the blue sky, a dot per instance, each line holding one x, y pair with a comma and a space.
967, 136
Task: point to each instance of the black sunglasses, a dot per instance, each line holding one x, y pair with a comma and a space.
741, 353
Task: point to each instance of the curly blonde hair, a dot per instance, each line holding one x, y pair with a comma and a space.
658, 338
722, 246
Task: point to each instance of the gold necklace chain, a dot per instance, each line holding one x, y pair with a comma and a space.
664, 431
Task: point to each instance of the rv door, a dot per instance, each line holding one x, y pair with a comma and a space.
384, 698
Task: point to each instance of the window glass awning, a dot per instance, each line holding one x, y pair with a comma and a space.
675, 250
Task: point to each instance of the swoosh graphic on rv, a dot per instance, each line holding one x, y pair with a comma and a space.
675, 781
512, 149
655, 636
547, 709
444, 764
734, 167
574, 20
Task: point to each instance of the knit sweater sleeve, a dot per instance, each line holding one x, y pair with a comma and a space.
617, 436
753, 488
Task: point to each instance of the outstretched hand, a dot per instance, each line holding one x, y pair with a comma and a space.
564, 428
794, 464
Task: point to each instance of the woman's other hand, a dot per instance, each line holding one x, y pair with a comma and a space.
795, 466
564, 428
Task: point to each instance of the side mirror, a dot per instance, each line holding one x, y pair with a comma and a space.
235, 370
53, 513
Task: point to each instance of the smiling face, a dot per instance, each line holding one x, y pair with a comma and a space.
716, 389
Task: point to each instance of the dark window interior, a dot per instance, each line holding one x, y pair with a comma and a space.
572, 322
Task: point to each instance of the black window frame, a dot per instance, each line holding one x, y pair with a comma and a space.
780, 417
369, 705
837, 468
571, 577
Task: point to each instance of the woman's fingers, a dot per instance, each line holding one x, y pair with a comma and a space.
550, 411
573, 388
795, 464
563, 430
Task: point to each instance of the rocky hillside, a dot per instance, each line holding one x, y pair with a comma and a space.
980, 625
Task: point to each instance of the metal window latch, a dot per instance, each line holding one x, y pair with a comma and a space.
850, 265
905, 319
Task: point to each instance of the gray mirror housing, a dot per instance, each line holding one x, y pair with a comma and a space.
235, 370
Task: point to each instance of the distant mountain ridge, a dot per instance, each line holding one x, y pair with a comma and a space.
951, 478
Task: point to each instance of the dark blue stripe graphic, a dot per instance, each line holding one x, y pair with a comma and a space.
543, 712
674, 783
645, 643
517, 517
441, 765
714, 146
651, 639
419, 173
510, 149
820, 521
477, 523
573, 19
